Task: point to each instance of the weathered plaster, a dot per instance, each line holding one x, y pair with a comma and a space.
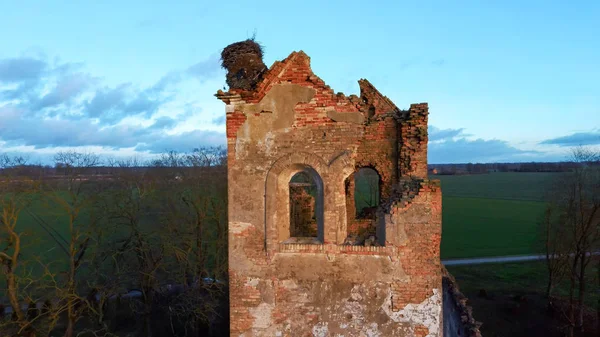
355, 117
426, 313
262, 316
236, 227
275, 112
292, 121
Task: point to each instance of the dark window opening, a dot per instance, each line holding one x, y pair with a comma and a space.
362, 204
366, 193
306, 207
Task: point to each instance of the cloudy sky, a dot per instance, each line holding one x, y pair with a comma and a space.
512, 81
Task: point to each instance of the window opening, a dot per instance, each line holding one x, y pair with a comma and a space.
362, 202
305, 208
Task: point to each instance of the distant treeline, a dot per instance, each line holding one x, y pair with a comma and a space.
99, 172
69, 162
479, 168
107, 170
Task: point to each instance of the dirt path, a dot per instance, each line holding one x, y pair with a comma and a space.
496, 259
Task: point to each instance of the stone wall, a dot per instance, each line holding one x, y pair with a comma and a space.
293, 122
458, 316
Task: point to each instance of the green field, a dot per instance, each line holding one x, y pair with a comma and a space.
500, 276
37, 242
483, 215
44, 225
492, 214
476, 227
509, 298
522, 276
511, 185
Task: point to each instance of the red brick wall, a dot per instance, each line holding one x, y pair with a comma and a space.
420, 255
330, 288
413, 142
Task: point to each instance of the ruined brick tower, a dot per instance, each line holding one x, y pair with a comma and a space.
322, 261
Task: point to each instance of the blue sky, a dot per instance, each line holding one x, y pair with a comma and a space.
505, 80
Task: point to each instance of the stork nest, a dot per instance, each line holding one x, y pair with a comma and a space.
244, 64
231, 53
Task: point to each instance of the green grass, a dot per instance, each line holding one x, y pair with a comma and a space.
526, 276
477, 227
37, 243
514, 301
42, 223
518, 277
492, 214
483, 215
504, 185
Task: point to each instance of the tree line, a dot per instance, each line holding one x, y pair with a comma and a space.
114, 247
479, 168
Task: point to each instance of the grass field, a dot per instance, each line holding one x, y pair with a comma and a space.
492, 214
44, 228
486, 214
510, 185
477, 227
509, 298
483, 215
525, 276
36, 242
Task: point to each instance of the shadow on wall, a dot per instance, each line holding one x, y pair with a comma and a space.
458, 316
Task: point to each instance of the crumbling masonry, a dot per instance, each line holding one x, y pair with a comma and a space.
285, 120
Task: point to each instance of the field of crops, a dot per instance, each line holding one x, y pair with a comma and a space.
492, 214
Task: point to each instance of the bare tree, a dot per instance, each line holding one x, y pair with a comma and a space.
573, 215
15, 195
131, 256
71, 199
169, 237
19, 190
161, 230
194, 211
556, 251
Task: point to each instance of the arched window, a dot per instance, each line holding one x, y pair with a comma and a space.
363, 193
366, 192
306, 207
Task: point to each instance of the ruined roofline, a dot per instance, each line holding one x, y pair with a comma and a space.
279, 66
369, 94
367, 88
